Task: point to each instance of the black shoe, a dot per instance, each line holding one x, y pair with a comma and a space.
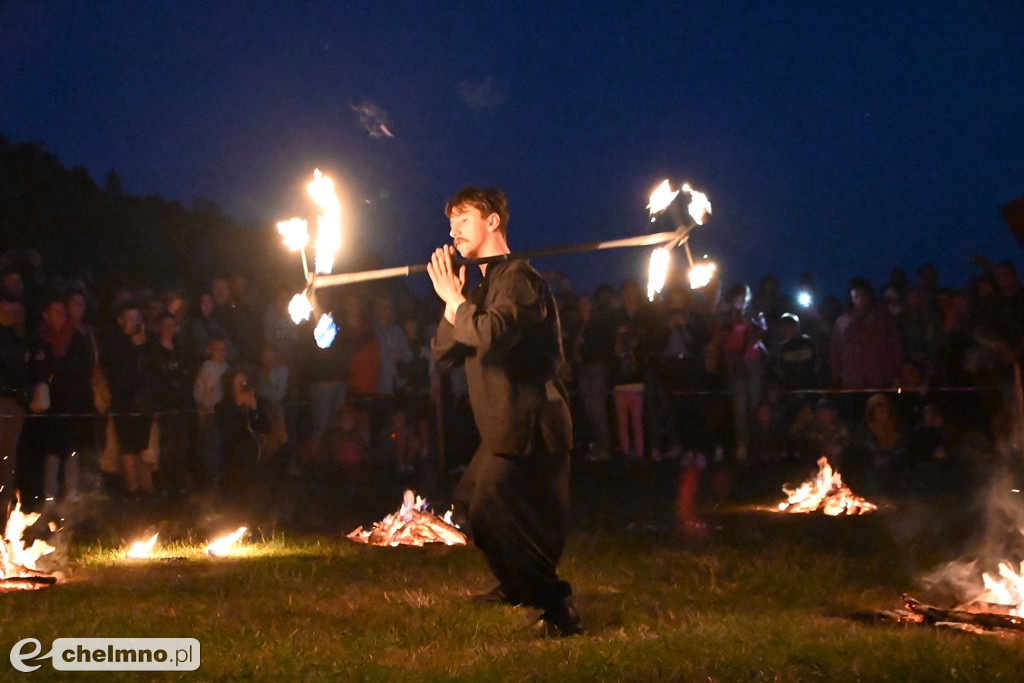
495, 596
559, 622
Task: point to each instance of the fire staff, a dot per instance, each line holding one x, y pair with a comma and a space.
506, 332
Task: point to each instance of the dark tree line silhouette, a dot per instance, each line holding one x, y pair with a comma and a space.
108, 237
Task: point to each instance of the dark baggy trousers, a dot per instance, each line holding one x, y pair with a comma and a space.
518, 511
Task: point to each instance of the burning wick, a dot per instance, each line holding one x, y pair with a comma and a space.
699, 207
701, 274
300, 308
325, 331
662, 196
657, 271
328, 222
142, 549
223, 544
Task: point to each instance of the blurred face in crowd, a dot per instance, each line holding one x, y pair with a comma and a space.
221, 291
860, 300
382, 311
55, 315
76, 308
218, 350
206, 304
240, 388
167, 327
130, 321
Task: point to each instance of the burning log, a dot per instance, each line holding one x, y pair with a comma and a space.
413, 524
825, 492
984, 620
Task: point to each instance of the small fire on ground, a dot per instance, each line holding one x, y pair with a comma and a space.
825, 492
412, 524
18, 564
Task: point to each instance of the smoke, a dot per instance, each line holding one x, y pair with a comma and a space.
1001, 540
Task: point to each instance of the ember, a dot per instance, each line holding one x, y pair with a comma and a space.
411, 525
825, 492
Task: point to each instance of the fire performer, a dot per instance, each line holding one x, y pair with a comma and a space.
507, 334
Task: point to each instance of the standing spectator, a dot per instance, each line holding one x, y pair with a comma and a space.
208, 390
13, 394
593, 354
796, 361
393, 349
200, 328
60, 358
865, 347
271, 389
231, 309
128, 366
172, 399
746, 362
242, 424
631, 339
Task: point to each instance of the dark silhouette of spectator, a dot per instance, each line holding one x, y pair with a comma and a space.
128, 366
61, 359
593, 356
13, 394
173, 383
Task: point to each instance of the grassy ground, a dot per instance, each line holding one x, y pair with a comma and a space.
763, 597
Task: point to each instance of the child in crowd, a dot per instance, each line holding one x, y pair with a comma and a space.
208, 392
272, 388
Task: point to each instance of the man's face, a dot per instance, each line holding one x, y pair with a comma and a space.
860, 299
55, 315
131, 321
469, 229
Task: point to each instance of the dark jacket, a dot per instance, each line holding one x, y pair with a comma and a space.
508, 336
13, 366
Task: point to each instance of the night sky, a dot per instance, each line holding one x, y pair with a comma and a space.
838, 138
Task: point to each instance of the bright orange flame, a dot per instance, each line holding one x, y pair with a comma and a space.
699, 207
412, 524
328, 222
825, 492
224, 544
661, 197
657, 271
701, 274
13, 549
295, 233
1007, 589
142, 549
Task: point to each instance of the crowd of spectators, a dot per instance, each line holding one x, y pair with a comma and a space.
178, 390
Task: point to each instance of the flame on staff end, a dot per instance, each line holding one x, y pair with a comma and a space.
223, 544
325, 331
661, 197
300, 308
657, 270
142, 549
295, 232
328, 222
699, 207
701, 273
